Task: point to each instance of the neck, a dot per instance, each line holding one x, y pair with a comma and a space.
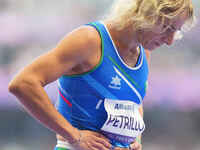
125, 41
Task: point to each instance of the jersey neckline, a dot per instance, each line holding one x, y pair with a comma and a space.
115, 48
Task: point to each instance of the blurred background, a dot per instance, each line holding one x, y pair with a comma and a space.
31, 28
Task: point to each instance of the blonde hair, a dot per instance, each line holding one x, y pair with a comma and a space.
146, 13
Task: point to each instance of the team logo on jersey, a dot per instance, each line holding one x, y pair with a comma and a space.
115, 83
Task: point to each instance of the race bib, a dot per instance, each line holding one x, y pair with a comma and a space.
124, 122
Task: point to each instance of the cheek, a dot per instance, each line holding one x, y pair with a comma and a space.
146, 38
150, 38
153, 43
156, 37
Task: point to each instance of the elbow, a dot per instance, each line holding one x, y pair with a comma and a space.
14, 87
23, 84
19, 85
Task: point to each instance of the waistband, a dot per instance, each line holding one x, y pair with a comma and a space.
64, 145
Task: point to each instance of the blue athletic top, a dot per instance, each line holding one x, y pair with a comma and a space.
82, 97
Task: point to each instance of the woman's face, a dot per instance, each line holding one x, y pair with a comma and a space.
157, 37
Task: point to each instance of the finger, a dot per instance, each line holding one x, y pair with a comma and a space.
100, 146
100, 135
135, 146
87, 146
104, 142
92, 148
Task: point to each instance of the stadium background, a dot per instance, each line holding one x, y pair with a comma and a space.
30, 28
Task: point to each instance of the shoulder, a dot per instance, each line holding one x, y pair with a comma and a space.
86, 36
81, 43
80, 48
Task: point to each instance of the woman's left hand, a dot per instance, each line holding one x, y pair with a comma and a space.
134, 146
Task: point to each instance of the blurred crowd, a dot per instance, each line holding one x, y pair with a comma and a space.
30, 28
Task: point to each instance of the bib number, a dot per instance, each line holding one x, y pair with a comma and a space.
124, 122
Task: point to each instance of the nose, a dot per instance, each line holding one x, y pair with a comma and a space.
169, 39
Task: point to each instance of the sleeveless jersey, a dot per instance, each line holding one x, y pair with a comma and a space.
106, 99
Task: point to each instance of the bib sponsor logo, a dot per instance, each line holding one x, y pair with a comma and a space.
125, 107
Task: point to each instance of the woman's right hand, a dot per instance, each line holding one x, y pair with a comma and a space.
90, 140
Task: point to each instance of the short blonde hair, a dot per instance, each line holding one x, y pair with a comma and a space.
145, 13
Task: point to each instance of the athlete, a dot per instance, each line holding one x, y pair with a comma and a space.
102, 71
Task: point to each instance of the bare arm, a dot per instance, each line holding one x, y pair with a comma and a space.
76, 48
